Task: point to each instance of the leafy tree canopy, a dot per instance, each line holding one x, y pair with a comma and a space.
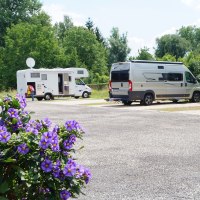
15, 11
143, 54
118, 46
82, 48
30, 40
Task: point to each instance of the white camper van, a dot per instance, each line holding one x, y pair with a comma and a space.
147, 81
49, 83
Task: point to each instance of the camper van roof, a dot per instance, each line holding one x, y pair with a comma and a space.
152, 61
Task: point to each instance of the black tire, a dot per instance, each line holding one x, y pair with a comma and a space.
175, 101
47, 97
148, 99
127, 103
195, 97
85, 95
76, 97
39, 98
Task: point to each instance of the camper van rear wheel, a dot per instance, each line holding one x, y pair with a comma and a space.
39, 98
47, 97
196, 97
127, 103
85, 95
148, 99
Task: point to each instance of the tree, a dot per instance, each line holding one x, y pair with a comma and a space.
15, 11
30, 40
192, 35
118, 47
82, 48
143, 54
90, 25
173, 45
95, 30
62, 27
192, 60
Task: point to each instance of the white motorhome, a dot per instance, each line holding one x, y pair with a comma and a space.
49, 83
147, 81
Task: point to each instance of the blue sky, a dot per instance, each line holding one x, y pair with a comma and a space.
142, 20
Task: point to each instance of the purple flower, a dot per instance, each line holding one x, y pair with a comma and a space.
33, 127
47, 136
22, 101
70, 168
67, 144
4, 136
61, 175
71, 125
23, 148
46, 122
44, 144
47, 165
64, 195
56, 169
13, 113
55, 146
79, 171
87, 175
56, 129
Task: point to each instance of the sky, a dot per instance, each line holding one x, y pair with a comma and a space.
142, 20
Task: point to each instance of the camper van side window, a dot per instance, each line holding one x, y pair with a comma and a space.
189, 78
70, 78
80, 72
175, 77
44, 77
35, 75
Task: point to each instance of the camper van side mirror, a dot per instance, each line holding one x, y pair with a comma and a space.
197, 79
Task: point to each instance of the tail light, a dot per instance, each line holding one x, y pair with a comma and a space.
110, 85
130, 85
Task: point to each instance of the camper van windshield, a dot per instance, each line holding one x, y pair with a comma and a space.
79, 82
120, 76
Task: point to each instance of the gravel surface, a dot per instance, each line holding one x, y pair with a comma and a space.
134, 152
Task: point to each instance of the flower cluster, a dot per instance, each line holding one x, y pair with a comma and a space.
36, 159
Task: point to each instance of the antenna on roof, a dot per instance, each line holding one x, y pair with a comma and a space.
30, 62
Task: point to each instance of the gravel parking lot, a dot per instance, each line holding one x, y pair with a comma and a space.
134, 152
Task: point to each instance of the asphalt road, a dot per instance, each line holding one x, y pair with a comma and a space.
134, 154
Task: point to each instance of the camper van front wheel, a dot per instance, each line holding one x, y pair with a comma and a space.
85, 95
148, 99
196, 97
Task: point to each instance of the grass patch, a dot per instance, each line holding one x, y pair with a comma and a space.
9, 92
180, 109
100, 94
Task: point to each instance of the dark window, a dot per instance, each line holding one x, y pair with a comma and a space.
44, 77
35, 75
189, 77
175, 77
160, 67
80, 72
120, 76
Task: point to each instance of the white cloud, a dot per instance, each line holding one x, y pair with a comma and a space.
57, 13
195, 4
136, 43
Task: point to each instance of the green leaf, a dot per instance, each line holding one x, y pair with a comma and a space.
9, 160
1, 102
4, 187
3, 198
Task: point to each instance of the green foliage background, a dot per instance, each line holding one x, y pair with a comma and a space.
27, 31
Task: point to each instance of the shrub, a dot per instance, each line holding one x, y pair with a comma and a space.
35, 157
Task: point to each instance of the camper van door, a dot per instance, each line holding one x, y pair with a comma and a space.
175, 85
